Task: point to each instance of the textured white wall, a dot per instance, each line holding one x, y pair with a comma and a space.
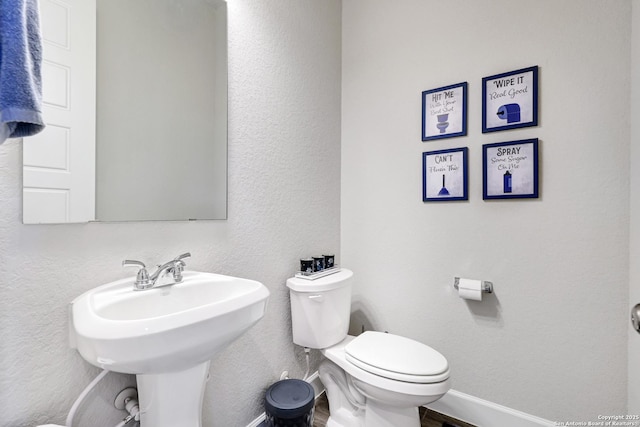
552, 340
284, 175
634, 234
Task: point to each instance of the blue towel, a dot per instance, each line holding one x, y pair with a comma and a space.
20, 69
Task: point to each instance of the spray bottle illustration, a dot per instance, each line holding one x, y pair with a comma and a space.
506, 182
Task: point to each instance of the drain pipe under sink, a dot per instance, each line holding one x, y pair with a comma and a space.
129, 403
85, 392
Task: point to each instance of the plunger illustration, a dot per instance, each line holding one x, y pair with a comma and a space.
443, 191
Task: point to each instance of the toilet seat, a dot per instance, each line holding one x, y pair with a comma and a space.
337, 355
397, 358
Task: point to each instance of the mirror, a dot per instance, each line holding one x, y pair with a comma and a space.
160, 114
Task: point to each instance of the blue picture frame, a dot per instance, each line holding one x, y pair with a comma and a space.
445, 175
510, 170
510, 100
444, 112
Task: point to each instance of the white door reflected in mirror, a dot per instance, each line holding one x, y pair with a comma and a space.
59, 163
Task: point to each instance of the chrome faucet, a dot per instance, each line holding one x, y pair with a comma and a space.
175, 267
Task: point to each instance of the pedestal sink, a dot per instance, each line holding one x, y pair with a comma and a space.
166, 336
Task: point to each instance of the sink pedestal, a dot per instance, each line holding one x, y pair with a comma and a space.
174, 398
166, 335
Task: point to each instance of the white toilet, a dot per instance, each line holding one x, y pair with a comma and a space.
372, 380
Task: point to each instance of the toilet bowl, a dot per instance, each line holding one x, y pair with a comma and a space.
388, 394
372, 380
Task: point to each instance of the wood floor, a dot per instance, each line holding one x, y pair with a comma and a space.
321, 411
428, 418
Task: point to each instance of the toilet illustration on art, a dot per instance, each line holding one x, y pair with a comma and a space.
443, 124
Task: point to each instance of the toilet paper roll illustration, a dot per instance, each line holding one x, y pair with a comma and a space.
509, 112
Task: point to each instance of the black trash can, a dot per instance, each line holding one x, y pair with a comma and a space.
289, 403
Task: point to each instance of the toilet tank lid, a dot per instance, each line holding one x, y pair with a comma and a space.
326, 283
396, 354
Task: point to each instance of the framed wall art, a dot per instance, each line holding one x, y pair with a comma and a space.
444, 112
510, 100
510, 170
444, 175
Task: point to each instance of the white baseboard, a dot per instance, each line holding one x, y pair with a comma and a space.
314, 380
481, 412
462, 406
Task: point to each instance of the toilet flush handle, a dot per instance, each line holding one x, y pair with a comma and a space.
316, 298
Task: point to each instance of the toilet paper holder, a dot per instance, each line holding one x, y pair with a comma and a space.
487, 287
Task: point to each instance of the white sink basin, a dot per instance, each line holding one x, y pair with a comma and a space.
164, 329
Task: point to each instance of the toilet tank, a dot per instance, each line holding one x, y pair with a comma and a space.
320, 309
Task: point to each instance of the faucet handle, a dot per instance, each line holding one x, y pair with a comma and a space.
133, 263
183, 256
142, 278
179, 266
